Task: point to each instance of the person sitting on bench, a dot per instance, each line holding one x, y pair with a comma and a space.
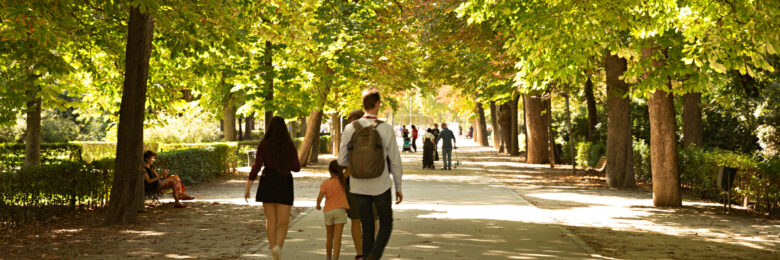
154, 182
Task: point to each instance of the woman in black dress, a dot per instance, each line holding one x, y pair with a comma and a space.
277, 156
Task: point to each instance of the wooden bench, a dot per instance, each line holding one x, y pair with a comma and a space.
601, 167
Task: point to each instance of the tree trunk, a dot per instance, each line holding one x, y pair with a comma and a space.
268, 81
536, 127
590, 99
483, 139
127, 188
306, 152
663, 151
32, 136
692, 125
249, 126
620, 154
523, 127
240, 131
505, 118
514, 145
550, 132
335, 132
496, 128
303, 126
571, 134
229, 116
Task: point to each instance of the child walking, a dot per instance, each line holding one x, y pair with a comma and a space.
336, 207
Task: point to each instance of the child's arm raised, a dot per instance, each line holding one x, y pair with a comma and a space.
319, 200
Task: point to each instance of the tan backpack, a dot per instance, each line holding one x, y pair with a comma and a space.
367, 156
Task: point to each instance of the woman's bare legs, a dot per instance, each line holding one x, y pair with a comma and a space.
329, 240
357, 236
282, 222
270, 223
337, 230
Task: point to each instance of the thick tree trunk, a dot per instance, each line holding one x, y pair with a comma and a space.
550, 132
692, 125
249, 126
620, 154
663, 151
496, 127
306, 152
483, 139
127, 188
32, 136
229, 117
590, 99
536, 127
505, 119
514, 145
335, 132
268, 81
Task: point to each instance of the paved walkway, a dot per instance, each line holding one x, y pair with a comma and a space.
460, 214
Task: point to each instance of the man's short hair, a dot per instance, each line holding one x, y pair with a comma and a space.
443, 125
370, 97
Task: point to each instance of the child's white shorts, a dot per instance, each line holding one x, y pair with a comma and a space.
335, 216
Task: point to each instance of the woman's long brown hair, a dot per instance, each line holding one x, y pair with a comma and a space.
278, 143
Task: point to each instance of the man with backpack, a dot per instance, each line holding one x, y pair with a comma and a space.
369, 149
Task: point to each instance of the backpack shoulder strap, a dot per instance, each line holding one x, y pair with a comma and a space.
376, 123
357, 126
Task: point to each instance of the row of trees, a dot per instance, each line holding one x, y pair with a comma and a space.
531, 51
304, 60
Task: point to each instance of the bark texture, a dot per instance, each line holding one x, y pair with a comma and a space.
127, 188
620, 154
514, 145
32, 136
249, 125
496, 128
229, 117
481, 125
335, 132
306, 152
663, 151
692, 124
505, 119
536, 127
590, 99
550, 131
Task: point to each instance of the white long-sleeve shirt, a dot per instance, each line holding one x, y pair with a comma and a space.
378, 185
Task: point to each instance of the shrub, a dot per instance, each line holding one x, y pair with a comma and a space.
37, 192
583, 151
12, 154
91, 151
55, 129
642, 161
757, 180
201, 162
597, 150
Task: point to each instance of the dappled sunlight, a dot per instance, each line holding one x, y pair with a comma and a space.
529, 214
143, 232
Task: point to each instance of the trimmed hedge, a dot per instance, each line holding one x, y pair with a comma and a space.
199, 164
12, 154
36, 192
588, 154
100, 150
